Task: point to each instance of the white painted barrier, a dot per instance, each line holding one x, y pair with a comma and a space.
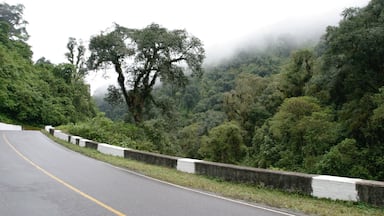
61, 135
186, 165
336, 188
82, 142
110, 149
75, 140
10, 127
46, 128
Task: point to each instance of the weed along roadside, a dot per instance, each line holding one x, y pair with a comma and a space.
296, 198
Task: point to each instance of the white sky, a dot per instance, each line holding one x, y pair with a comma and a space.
219, 24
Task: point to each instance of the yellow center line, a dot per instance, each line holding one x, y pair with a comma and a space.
116, 212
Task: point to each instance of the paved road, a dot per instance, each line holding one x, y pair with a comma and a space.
39, 177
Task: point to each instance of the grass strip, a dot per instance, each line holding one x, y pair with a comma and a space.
248, 193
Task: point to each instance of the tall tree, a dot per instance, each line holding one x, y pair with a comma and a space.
296, 136
354, 53
13, 33
142, 57
224, 143
12, 15
76, 57
298, 72
242, 103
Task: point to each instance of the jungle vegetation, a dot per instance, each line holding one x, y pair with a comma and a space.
291, 105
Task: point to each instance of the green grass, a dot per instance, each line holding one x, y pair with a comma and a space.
248, 193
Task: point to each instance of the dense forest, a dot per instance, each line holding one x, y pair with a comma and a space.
38, 93
291, 105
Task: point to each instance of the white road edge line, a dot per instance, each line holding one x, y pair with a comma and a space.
178, 186
199, 192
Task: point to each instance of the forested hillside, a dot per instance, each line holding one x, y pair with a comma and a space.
38, 93
310, 108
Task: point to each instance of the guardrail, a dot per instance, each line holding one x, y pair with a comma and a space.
321, 186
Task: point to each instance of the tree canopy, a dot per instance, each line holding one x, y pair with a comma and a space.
143, 57
11, 19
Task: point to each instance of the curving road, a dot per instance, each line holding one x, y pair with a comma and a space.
39, 177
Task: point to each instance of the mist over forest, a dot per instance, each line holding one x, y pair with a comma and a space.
306, 32
302, 97
298, 32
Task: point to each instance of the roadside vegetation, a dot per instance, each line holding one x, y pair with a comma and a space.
248, 193
39, 93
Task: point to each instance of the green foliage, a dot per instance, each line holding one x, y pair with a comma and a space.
102, 129
209, 119
11, 15
224, 143
343, 160
243, 103
298, 72
75, 56
150, 136
157, 53
190, 140
378, 113
163, 142
239, 102
115, 111
353, 54
310, 109
190, 97
36, 94
297, 136
351, 77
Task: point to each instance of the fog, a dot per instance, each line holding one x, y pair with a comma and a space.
301, 31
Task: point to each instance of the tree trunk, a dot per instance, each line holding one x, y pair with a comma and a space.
137, 106
129, 100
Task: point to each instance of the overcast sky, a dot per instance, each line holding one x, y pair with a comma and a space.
220, 24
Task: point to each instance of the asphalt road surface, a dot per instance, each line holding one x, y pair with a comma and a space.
39, 177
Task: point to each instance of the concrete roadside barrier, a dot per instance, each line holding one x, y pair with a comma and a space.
82, 142
91, 144
287, 181
48, 127
187, 165
151, 158
61, 135
334, 187
110, 149
10, 127
371, 192
75, 140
